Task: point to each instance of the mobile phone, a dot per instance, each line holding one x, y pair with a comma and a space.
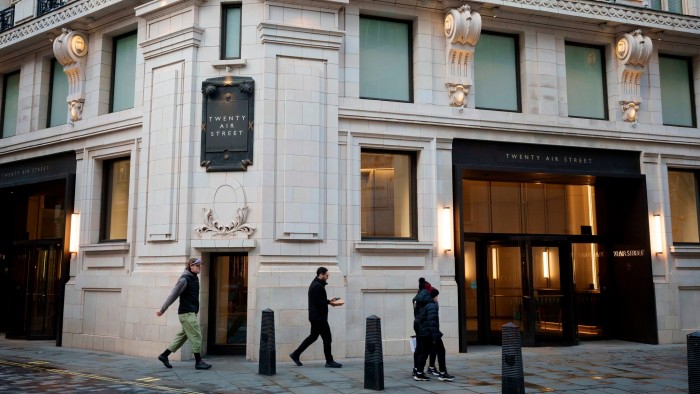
336, 298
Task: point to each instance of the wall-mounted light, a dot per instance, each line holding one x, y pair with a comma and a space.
74, 233
494, 263
657, 245
545, 263
445, 230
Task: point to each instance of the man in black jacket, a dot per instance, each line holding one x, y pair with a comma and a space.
318, 316
187, 289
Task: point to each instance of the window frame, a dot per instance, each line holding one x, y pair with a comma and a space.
115, 39
696, 175
691, 87
665, 7
518, 81
413, 193
603, 71
224, 30
409, 44
5, 77
106, 200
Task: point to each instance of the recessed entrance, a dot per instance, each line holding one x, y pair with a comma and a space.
228, 304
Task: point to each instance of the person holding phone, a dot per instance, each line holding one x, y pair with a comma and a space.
318, 317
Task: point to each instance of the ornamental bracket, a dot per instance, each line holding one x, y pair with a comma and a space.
462, 31
633, 51
70, 49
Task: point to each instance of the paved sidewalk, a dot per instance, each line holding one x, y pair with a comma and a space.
592, 367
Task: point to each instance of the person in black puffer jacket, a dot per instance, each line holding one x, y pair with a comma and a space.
430, 330
421, 299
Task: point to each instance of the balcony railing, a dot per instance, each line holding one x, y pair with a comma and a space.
46, 6
7, 18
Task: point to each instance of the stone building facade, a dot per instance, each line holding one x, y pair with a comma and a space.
535, 161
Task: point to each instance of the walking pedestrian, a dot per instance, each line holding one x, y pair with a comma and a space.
433, 337
318, 317
421, 299
187, 289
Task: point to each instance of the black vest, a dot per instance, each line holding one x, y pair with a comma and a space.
189, 299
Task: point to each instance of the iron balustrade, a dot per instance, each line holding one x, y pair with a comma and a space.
46, 6
7, 18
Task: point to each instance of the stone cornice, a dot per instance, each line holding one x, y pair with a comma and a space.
276, 33
638, 16
54, 19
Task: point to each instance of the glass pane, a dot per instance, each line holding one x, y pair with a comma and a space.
10, 101
506, 214
655, 4
59, 92
124, 73
534, 208
118, 194
589, 310
495, 73
231, 300
470, 291
233, 33
387, 204
684, 210
676, 101
584, 82
477, 208
546, 281
381, 40
556, 209
580, 210
675, 6
505, 286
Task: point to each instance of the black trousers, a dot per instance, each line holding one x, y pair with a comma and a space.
324, 330
427, 349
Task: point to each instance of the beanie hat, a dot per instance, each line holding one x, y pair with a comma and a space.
423, 284
434, 292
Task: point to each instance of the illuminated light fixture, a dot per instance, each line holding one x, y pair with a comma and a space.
545, 263
494, 263
445, 230
74, 233
657, 244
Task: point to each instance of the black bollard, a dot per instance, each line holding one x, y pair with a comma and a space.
374, 357
512, 379
694, 362
268, 354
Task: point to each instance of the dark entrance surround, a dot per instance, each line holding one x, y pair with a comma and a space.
228, 303
34, 257
622, 306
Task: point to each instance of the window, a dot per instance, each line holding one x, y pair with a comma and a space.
388, 195
385, 59
675, 6
585, 82
231, 32
115, 200
683, 195
677, 104
10, 98
123, 72
58, 113
496, 73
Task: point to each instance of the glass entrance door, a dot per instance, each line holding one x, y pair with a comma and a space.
527, 286
228, 298
34, 275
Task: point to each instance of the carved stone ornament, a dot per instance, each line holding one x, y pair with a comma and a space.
462, 32
229, 201
633, 51
70, 49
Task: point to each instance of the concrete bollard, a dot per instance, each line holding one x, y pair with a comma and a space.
694, 362
267, 363
374, 357
512, 379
